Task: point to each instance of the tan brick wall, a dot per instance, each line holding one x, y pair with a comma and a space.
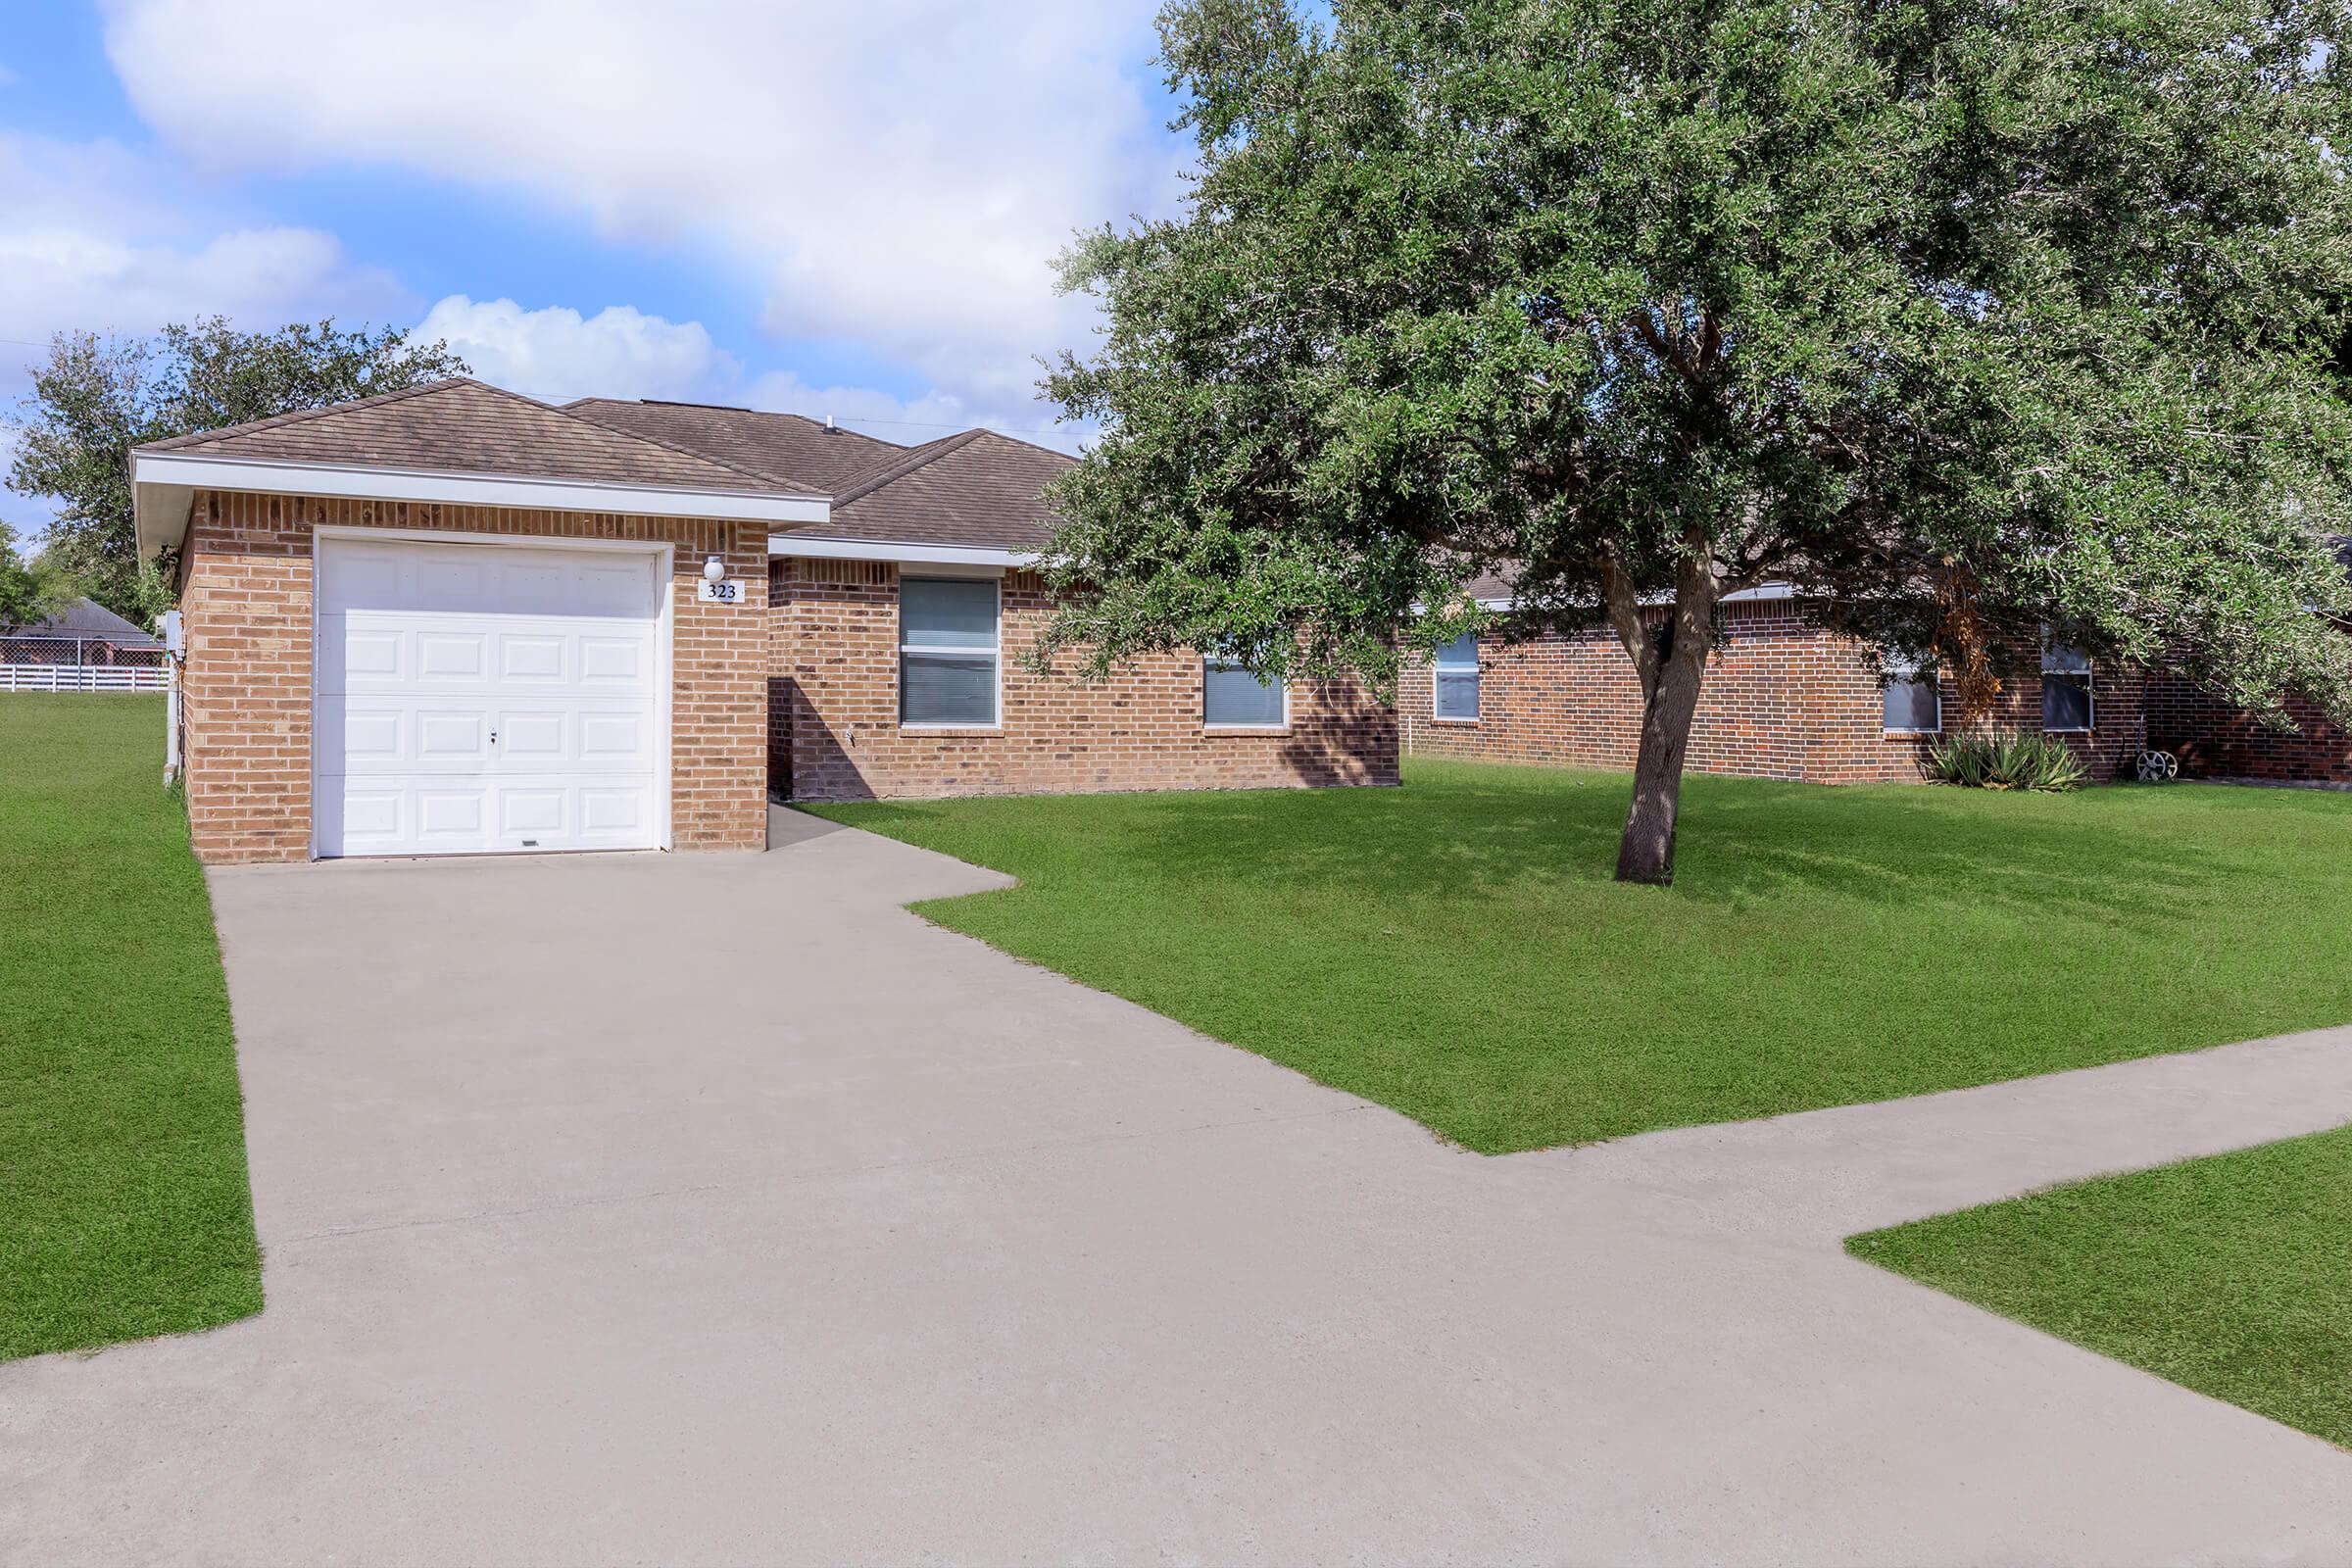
835, 717
246, 596
1782, 699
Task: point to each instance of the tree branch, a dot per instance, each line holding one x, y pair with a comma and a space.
1668, 347
1624, 608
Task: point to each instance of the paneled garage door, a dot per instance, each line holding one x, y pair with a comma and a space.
485, 699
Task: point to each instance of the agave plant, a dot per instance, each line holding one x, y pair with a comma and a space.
2006, 759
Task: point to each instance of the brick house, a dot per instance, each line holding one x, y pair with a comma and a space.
1785, 699
452, 619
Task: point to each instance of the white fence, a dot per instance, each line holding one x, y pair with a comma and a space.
80, 678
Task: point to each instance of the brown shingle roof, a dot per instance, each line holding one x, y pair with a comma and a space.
1490, 585
782, 445
974, 488
87, 618
466, 426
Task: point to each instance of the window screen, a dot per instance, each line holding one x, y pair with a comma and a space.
1231, 696
1457, 679
1914, 704
2066, 703
946, 651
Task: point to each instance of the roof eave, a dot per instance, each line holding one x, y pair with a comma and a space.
163, 485
905, 552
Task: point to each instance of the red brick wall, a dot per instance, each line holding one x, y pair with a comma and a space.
834, 706
2232, 743
245, 595
1782, 699
2113, 745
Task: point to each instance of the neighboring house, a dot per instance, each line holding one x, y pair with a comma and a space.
453, 620
1784, 699
83, 647
85, 628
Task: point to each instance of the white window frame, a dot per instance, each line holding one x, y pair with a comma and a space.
1210, 662
995, 653
1438, 666
1911, 673
2055, 660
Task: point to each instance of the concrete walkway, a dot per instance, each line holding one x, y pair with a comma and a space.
715, 1209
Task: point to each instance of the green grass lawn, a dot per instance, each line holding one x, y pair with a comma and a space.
2226, 1275
1456, 949
123, 1205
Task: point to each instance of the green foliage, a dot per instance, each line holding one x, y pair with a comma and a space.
1962, 318
2007, 759
1454, 949
2224, 1274
96, 398
30, 590
124, 1209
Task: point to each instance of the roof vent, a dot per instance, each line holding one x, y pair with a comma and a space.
829, 429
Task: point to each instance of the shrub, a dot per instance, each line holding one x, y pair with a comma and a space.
2009, 759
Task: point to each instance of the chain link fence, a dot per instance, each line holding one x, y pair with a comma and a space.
78, 664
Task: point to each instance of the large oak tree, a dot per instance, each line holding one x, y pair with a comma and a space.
1973, 320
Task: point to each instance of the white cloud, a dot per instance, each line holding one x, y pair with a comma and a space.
92, 238
897, 175
556, 354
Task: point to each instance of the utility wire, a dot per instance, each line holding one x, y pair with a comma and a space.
934, 425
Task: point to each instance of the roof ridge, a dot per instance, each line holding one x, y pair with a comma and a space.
298, 415
865, 483
767, 477
1033, 446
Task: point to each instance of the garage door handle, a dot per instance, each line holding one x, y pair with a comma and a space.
494, 737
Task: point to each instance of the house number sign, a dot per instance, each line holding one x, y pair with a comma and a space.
725, 591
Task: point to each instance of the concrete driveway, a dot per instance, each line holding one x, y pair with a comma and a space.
715, 1209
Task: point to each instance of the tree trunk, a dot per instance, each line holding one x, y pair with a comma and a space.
1646, 852
1670, 677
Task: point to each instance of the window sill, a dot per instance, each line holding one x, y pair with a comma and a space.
1439, 718
1908, 734
1245, 730
2048, 731
950, 729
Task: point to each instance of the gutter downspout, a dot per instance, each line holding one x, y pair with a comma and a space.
172, 644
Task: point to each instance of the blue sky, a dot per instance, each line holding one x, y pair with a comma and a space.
831, 210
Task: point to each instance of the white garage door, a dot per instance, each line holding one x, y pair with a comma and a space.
479, 699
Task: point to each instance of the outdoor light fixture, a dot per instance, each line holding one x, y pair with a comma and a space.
714, 569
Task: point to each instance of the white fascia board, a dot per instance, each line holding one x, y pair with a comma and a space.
158, 475
913, 554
